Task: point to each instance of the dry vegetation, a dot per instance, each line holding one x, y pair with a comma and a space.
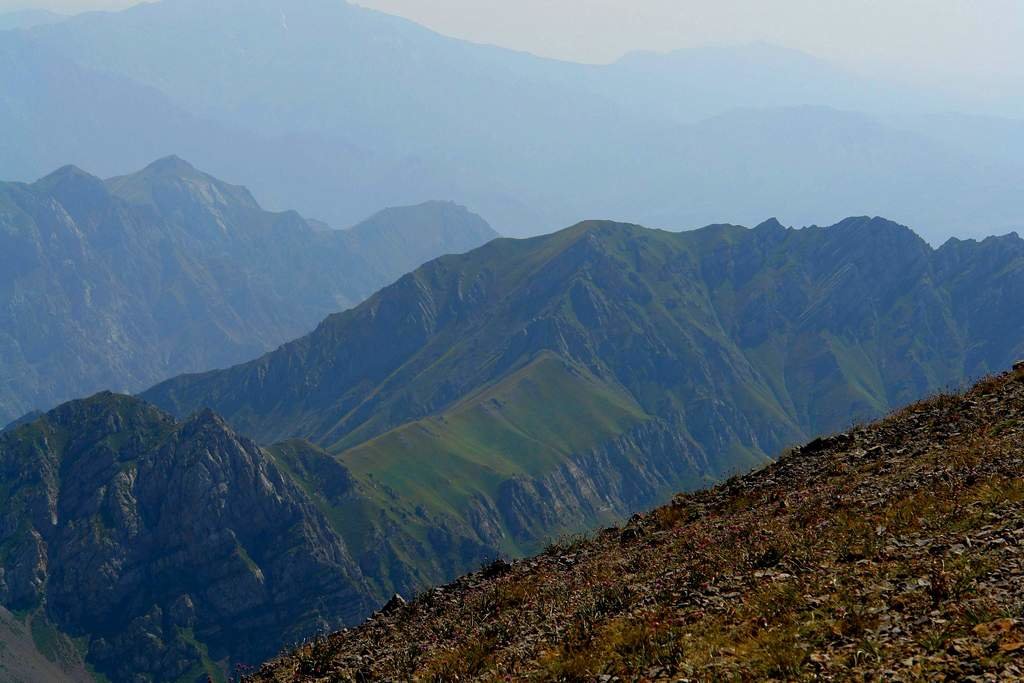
891, 552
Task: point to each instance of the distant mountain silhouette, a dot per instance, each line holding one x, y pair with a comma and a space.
338, 110
27, 18
116, 284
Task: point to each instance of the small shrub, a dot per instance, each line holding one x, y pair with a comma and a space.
314, 659
469, 660
858, 538
786, 657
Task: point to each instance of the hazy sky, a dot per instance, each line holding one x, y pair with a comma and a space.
975, 40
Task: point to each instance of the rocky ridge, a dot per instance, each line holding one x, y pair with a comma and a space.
172, 549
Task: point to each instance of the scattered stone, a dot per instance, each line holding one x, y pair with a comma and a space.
630, 534
395, 604
499, 567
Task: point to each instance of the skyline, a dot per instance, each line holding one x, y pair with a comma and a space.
970, 47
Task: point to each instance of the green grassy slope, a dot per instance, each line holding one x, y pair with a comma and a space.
523, 426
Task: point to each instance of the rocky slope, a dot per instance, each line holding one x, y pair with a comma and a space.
537, 387
117, 284
893, 551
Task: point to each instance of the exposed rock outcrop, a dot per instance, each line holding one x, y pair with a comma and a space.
165, 544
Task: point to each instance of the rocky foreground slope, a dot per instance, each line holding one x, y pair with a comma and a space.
893, 550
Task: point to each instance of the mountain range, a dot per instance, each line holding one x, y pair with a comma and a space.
534, 387
117, 284
338, 110
235, 426
652, 320
479, 406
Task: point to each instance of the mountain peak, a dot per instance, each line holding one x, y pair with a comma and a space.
206, 417
76, 190
772, 224
407, 236
173, 181
105, 412
1010, 238
169, 270
601, 225
435, 211
263, 7
64, 174
171, 164
876, 227
207, 422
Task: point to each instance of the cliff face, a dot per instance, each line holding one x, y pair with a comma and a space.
600, 486
166, 545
